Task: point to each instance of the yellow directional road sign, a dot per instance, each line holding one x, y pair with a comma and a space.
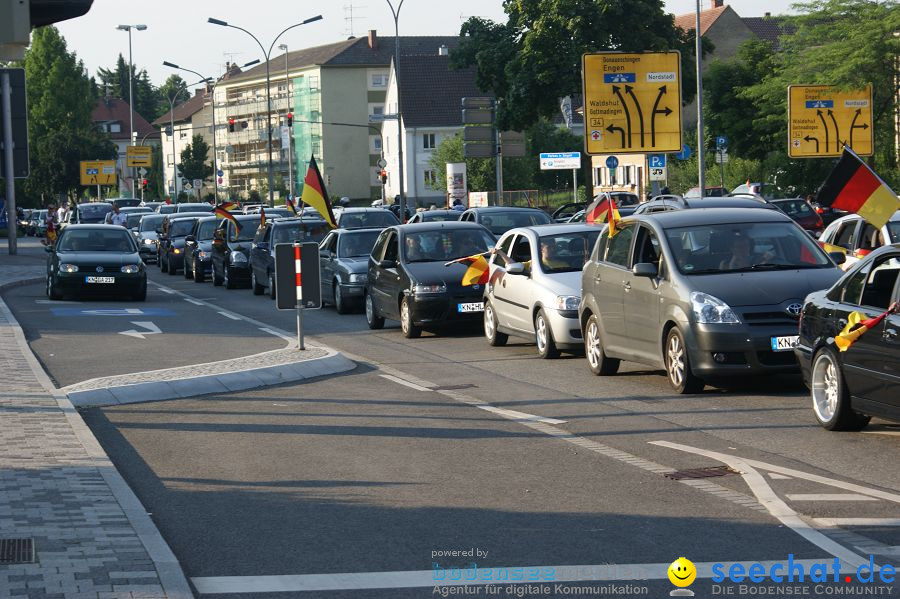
139, 156
98, 172
821, 119
632, 102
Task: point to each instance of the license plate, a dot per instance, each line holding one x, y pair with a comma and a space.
106, 280
785, 343
473, 307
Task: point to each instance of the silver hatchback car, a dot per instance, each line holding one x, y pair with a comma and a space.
535, 286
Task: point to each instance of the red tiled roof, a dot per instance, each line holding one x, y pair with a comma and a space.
707, 18
116, 110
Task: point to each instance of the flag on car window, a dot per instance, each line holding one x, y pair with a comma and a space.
223, 212
262, 216
854, 187
478, 271
315, 195
857, 325
602, 210
289, 203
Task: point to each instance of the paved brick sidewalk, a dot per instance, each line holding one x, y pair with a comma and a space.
92, 537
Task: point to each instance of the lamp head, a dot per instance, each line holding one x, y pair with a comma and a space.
312, 19
123, 27
217, 22
250, 64
140, 27
166, 63
282, 47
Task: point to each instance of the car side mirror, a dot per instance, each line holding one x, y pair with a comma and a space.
388, 264
48, 249
515, 268
838, 257
190, 239
645, 269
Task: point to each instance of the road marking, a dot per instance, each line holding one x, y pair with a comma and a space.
514, 415
400, 381
775, 475
111, 312
166, 290
581, 574
829, 497
857, 521
229, 315
152, 329
193, 301
893, 433
276, 333
772, 502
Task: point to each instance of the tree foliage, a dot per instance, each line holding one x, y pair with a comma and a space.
194, 160
147, 99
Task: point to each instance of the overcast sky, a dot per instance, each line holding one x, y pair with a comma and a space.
178, 31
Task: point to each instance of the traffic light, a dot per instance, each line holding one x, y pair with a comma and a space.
231, 125
290, 119
144, 183
383, 175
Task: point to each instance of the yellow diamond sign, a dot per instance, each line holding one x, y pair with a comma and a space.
822, 119
632, 102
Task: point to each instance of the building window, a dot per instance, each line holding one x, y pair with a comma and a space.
430, 178
428, 141
169, 161
378, 109
379, 80
115, 128
377, 144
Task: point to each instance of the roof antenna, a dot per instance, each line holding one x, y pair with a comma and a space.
349, 18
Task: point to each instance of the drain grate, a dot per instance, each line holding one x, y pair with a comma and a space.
695, 473
453, 387
16, 551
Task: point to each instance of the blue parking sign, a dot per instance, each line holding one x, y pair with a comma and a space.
656, 160
721, 142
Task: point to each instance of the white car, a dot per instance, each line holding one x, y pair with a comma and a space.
859, 237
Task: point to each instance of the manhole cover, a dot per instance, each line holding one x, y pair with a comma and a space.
701, 473
16, 551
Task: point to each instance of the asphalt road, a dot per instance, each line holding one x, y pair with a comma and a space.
444, 443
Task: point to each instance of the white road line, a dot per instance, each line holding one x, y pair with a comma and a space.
229, 315
857, 521
276, 333
776, 506
828, 497
514, 415
574, 575
400, 381
193, 301
776, 476
893, 433
165, 289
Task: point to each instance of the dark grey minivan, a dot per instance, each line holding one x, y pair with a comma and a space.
704, 294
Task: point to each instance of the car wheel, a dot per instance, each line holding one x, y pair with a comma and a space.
543, 337
495, 338
372, 319
229, 282
410, 330
272, 286
187, 272
678, 365
217, 280
599, 362
198, 273
141, 295
163, 265
173, 268
257, 288
52, 292
830, 396
340, 304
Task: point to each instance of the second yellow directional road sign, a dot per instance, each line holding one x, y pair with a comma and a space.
632, 102
821, 119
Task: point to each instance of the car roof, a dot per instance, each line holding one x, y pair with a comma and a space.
94, 204
711, 216
437, 225
350, 210
503, 209
247, 217
179, 215
293, 220
556, 228
358, 230
99, 227
895, 218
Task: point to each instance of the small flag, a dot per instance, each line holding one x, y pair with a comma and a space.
315, 195
854, 187
289, 203
220, 210
857, 326
600, 210
478, 271
262, 216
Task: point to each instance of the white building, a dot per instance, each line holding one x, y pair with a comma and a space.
112, 116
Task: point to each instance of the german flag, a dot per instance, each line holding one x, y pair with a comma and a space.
478, 272
857, 325
262, 216
314, 193
854, 187
602, 210
223, 212
289, 204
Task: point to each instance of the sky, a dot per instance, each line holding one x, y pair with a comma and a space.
177, 31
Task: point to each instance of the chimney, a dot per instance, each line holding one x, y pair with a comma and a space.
443, 50
373, 40
718, 3
768, 14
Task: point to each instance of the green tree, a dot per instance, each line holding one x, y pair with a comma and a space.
194, 163
156, 180
479, 171
60, 129
174, 87
147, 100
535, 57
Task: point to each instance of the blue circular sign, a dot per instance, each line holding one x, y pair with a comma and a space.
685, 153
612, 162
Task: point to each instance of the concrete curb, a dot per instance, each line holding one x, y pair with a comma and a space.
253, 378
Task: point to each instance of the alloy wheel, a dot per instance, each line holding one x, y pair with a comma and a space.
825, 388
595, 351
675, 361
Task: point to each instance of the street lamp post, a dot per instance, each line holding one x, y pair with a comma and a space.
172, 133
287, 87
267, 55
396, 14
131, 139
701, 150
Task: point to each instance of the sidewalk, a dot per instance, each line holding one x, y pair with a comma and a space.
91, 535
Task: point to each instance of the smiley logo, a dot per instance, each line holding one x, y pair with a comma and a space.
682, 572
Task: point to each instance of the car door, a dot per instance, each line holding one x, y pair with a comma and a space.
641, 297
610, 278
515, 289
494, 289
327, 255
891, 354
219, 247
382, 280
259, 253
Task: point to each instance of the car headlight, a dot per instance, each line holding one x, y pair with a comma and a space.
440, 288
358, 278
203, 255
567, 303
130, 269
177, 250
64, 267
238, 258
711, 310
149, 241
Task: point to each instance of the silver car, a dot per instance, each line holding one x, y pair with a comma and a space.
535, 286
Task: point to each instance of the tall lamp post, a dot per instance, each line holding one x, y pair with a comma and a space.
172, 134
701, 142
287, 88
131, 139
267, 55
396, 13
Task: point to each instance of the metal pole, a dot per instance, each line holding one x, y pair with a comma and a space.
574, 184
396, 14
300, 344
287, 87
8, 167
130, 105
269, 129
701, 150
174, 163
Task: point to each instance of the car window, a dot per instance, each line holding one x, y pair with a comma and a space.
92, 213
600, 246
260, 234
870, 238
879, 287
356, 244
795, 208
247, 232
180, 228
503, 247
375, 218
852, 291
205, 230
92, 240
647, 247
521, 249
566, 252
500, 222
619, 244
328, 243
290, 232
445, 244
844, 235
378, 249
392, 247
133, 220
893, 229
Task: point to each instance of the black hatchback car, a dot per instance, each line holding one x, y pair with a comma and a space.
848, 387
262, 251
231, 251
198, 249
408, 280
175, 228
500, 219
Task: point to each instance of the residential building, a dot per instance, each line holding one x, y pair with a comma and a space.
112, 116
178, 128
629, 175
336, 94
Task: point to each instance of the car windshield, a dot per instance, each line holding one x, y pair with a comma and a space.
353, 245
308, 231
166, 209
248, 230
795, 208
134, 219
278, 213
434, 216
150, 223
566, 252
93, 240
445, 244
207, 230
181, 228
499, 223
625, 199
195, 208
93, 213
894, 231
742, 247
375, 218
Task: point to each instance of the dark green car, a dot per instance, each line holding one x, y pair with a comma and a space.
96, 260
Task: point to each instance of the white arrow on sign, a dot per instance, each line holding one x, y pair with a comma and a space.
152, 329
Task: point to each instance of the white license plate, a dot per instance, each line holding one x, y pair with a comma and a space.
473, 307
785, 343
106, 280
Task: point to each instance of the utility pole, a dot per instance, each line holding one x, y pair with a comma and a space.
701, 150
